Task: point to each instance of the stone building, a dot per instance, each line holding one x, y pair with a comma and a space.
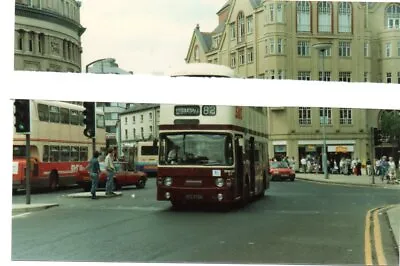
274, 40
48, 35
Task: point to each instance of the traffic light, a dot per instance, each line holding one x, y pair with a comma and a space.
22, 116
377, 136
89, 119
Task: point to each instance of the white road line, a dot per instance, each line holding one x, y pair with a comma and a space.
21, 215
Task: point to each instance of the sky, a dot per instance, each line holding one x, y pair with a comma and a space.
144, 36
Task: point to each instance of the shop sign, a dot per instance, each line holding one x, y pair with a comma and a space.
280, 148
341, 149
311, 148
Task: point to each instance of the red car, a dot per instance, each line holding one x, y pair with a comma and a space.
281, 171
122, 177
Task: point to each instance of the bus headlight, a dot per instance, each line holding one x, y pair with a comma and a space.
168, 181
219, 182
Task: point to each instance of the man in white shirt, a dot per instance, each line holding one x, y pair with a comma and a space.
110, 171
303, 162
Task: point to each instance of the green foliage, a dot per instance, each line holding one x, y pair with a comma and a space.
390, 123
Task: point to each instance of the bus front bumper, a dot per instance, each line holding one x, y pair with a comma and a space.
204, 195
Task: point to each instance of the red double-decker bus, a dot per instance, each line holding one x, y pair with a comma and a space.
212, 154
58, 147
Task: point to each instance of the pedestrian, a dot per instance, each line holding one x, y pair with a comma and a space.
110, 171
94, 170
303, 163
358, 167
391, 170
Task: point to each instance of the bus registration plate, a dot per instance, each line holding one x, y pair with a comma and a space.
194, 197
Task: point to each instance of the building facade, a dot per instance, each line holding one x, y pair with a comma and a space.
139, 123
274, 40
48, 35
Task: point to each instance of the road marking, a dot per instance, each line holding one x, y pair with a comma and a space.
20, 215
372, 216
378, 241
367, 247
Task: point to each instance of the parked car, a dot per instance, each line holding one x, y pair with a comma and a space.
123, 177
281, 171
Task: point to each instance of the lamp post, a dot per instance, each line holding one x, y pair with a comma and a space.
322, 48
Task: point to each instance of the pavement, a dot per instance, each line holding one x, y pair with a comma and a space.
23, 208
393, 212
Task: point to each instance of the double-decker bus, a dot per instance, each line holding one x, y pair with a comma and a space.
212, 154
146, 157
58, 147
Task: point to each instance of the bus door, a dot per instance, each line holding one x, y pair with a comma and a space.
252, 165
239, 166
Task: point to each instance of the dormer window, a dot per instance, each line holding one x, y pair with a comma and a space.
393, 16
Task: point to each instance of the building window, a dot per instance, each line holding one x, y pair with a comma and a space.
398, 48
327, 76
345, 76
304, 115
345, 17
142, 132
304, 75
196, 54
272, 74
249, 24
241, 57
250, 55
233, 59
393, 16
280, 46
345, 116
126, 134
344, 49
325, 116
151, 129
303, 16
151, 116
241, 29
272, 46
365, 76
388, 49
280, 74
279, 13
366, 49
215, 60
271, 12
326, 53
233, 31
266, 47
141, 118
41, 43
388, 77
303, 48
216, 41
134, 133
126, 120
133, 119
20, 40
30, 41
324, 17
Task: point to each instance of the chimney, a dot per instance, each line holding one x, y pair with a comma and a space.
197, 27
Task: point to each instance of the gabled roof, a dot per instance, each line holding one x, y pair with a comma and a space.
224, 6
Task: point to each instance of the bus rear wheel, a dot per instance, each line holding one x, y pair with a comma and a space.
53, 180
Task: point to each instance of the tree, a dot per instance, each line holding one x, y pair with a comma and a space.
390, 124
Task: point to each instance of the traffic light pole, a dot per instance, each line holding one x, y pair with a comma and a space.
28, 169
372, 154
93, 145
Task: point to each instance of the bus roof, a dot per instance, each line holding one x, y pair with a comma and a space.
203, 70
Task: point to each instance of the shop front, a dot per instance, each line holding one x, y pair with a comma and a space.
280, 150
